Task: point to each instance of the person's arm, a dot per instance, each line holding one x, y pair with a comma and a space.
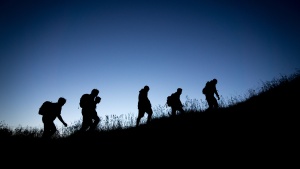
61, 119
97, 100
179, 103
217, 94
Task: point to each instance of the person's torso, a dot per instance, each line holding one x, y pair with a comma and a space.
54, 111
90, 103
143, 96
176, 100
211, 88
143, 99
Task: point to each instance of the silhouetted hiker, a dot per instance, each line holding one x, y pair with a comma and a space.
209, 91
174, 102
50, 111
88, 105
144, 105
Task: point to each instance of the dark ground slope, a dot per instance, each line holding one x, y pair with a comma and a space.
264, 125
265, 121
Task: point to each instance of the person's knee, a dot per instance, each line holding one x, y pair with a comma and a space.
140, 115
97, 120
150, 113
138, 118
52, 132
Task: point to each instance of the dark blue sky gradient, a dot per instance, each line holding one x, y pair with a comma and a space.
62, 48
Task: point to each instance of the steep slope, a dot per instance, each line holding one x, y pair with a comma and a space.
264, 124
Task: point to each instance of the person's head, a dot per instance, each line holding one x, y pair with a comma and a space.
95, 92
179, 90
62, 101
215, 81
146, 88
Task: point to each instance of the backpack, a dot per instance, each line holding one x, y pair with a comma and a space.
204, 90
170, 100
83, 100
45, 108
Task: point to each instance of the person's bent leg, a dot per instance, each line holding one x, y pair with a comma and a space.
181, 110
47, 128
52, 129
210, 103
173, 111
86, 123
150, 112
215, 103
140, 115
95, 123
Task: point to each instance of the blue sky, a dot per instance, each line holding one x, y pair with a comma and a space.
52, 49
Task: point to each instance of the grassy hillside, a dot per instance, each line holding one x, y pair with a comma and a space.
265, 123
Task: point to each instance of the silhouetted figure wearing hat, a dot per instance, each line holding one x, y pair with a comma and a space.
176, 104
144, 105
210, 91
88, 103
50, 112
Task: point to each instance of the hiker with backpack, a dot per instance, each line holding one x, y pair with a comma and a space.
174, 102
210, 91
144, 105
88, 103
50, 111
